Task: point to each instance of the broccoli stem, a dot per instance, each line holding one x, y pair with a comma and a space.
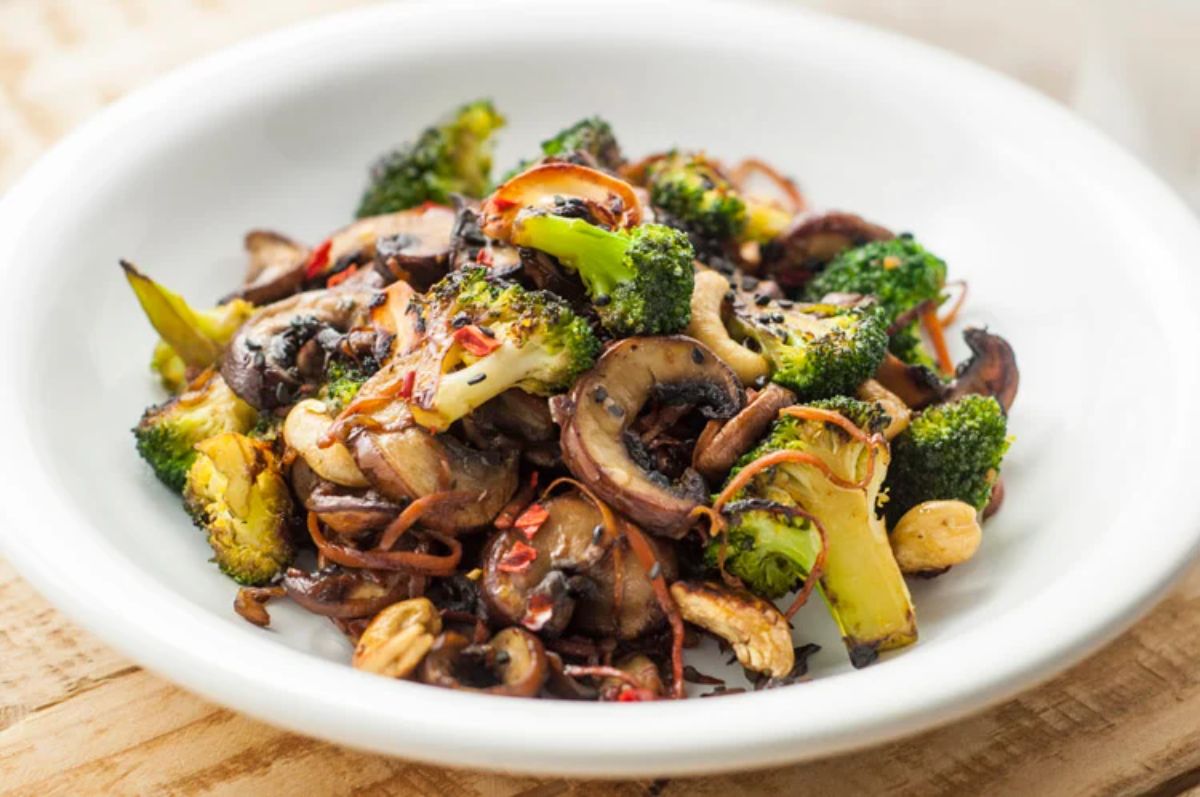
597, 254
460, 392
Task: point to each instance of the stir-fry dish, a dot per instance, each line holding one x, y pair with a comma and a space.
538, 435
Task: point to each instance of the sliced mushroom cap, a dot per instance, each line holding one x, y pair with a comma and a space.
518, 421
306, 426
707, 325
412, 246
275, 270
915, 385
813, 240
991, 370
572, 578
604, 403
610, 200
347, 593
715, 454
265, 363
513, 663
348, 511
411, 463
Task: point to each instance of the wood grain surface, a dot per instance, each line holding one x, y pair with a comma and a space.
77, 718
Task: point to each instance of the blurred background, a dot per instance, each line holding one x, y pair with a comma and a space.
1132, 67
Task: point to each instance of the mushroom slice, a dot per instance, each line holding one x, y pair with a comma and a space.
812, 241
305, 426
715, 454
275, 270
754, 628
262, 362
915, 385
347, 511
708, 326
991, 370
546, 185
604, 402
411, 463
513, 663
418, 238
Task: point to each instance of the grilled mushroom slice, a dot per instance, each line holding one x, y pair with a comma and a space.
604, 402
275, 270
991, 370
716, 452
513, 663
812, 241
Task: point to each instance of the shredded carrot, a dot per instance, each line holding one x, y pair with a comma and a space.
743, 170
414, 511
933, 326
607, 518
952, 314
645, 554
404, 561
521, 499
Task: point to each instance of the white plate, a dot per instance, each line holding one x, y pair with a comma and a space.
1073, 252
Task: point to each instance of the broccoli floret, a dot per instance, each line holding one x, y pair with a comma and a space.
771, 550
168, 433
816, 350
191, 339
901, 275
861, 582
639, 280
504, 336
454, 157
237, 494
948, 451
342, 383
696, 196
593, 136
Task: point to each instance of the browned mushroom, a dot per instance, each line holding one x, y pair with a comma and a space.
275, 270
997, 500
813, 240
718, 450
518, 421
604, 402
267, 364
418, 239
347, 593
513, 663
915, 385
991, 370
348, 511
566, 574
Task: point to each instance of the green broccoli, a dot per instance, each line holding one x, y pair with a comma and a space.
342, 383
948, 451
191, 339
770, 547
589, 141
639, 280
861, 582
454, 157
167, 434
236, 492
696, 196
816, 350
504, 336
901, 275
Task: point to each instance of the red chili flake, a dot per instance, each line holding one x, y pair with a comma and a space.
473, 340
531, 520
484, 258
538, 611
428, 204
631, 695
406, 387
502, 204
318, 260
340, 277
518, 558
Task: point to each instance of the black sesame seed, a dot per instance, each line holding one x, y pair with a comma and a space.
762, 300
487, 331
616, 410
697, 356
601, 300
599, 394
777, 318
765, 318
475, 380
786, 304
655, 571
460, 321
760, 382
283, 393
597, 534
749, 283
503, 657
730, 296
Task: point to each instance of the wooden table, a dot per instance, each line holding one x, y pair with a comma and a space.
76, 718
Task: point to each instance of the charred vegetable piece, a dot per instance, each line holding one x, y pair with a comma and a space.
696, 195
453, 157
639, 280
167, 434
589, 142
236, 493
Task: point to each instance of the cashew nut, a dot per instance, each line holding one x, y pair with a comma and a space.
706, 326
398, 638
304, 427
754, 628
896, 409
935, 535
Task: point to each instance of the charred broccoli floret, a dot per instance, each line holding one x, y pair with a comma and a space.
237, 494
454, 157
504, 336
901, 275
697, 196
948, 451
168, 433
816, 350
639, 280
342, 383
191, 339
592, 136
861, 582
769, 547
